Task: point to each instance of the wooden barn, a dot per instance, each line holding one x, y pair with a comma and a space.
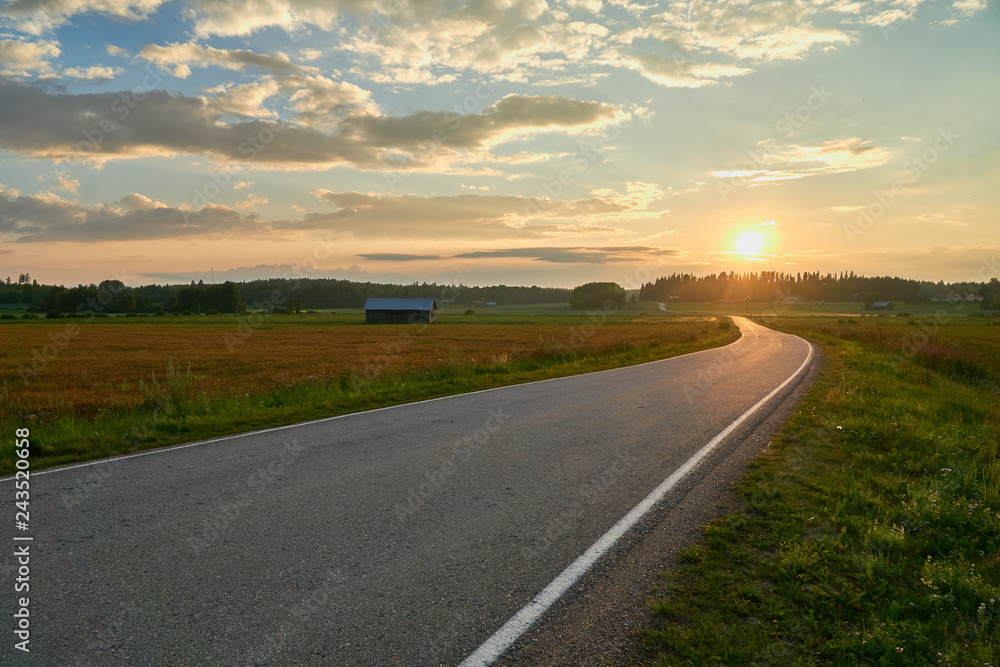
400, 311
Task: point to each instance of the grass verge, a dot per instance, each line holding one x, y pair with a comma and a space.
870, 528
172, 410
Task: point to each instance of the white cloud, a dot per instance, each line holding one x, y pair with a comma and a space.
92, 73
139, 202
969, 7
690, 43
575, 254
37, 17
593, 6
888, 17
60, 181
474, 215
21, 59
321, 102
47, 217
251, 203
701, 41
788, 43
784, 162
181, 57
677, 73
212, 17
638, 196
85, 126
245, 100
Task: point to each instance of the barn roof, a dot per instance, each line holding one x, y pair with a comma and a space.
881, 304
400, 304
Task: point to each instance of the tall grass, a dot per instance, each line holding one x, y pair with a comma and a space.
870, 532
176, 392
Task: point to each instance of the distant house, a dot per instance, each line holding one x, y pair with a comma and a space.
400, 311
883, 305
793, 300
955, 297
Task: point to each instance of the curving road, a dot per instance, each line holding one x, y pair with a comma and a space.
401, 536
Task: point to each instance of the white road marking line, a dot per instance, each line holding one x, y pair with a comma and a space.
164, 450
495, 646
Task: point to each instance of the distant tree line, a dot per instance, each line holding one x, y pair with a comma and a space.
765, 286
113, 296
330, 293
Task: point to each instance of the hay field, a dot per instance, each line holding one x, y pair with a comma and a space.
72, 379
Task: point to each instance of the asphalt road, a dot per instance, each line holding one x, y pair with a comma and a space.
403, 536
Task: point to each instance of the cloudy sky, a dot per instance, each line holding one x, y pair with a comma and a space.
544, 142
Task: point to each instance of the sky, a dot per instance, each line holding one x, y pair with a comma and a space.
519, 142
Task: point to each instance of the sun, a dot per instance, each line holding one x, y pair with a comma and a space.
750, 243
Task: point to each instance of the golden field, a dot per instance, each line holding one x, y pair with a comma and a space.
56, 366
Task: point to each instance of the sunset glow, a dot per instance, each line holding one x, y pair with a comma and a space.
524, 142
750, 243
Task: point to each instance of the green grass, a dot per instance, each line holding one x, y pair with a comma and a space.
871, 527
172, 413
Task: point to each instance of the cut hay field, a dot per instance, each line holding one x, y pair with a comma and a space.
114, 385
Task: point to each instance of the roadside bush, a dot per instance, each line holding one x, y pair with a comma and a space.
53, 314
